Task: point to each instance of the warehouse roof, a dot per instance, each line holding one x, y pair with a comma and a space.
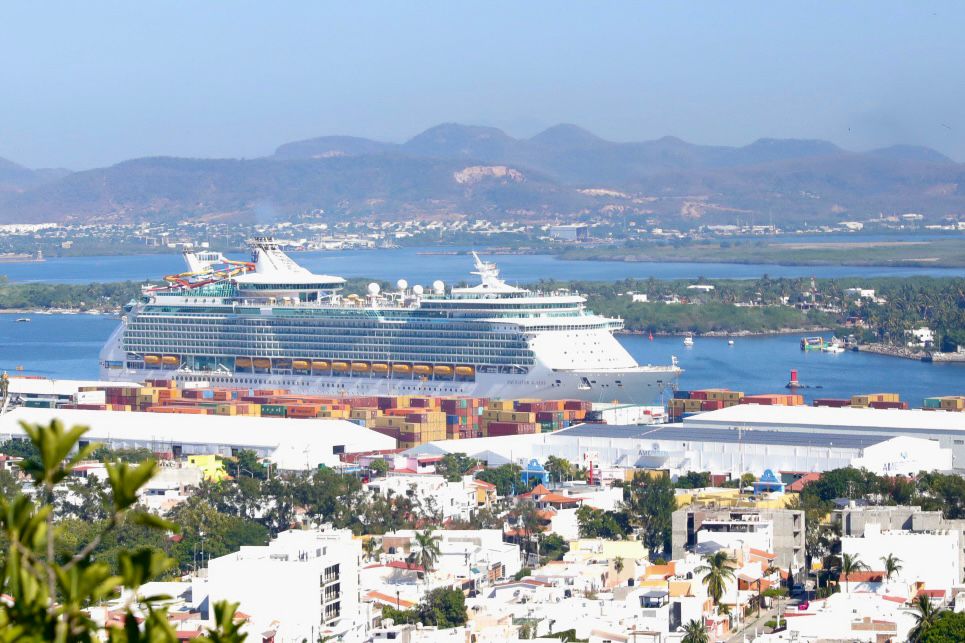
295, 444
830, 417
678, 433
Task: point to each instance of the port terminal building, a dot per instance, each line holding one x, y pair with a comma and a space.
679, 448
291, 444
945, 428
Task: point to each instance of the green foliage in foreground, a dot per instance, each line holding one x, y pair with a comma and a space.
50, 585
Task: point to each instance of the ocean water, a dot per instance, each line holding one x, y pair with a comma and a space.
409, 264
67, 346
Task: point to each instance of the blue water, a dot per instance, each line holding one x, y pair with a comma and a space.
67, 346
407, 263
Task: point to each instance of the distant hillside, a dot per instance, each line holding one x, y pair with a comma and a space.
454, 169
17, 178
263, 189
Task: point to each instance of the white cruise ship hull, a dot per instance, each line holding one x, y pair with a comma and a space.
646, 386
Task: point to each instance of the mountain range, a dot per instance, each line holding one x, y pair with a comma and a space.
459, 170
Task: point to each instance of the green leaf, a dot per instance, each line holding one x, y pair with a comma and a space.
126, 481
142, 565
54, 444
152, 521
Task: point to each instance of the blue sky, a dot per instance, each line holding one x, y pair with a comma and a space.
84, 84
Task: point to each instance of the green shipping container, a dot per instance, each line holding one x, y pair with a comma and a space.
933, 402
275, 410
40, 404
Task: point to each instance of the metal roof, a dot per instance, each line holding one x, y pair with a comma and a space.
680, 433
812, 417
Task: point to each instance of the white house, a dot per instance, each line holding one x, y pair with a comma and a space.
929, 559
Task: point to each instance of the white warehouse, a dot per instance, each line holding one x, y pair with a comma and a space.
735, 451
947, 427
290, 444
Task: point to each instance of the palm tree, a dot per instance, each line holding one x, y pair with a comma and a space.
369, 547
695, 632
892, 565
850, 565
925, 615
428, 549
618, 564
719, 568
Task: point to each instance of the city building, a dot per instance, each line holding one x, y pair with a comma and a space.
570, 232
707, 529
854, 522
302, 585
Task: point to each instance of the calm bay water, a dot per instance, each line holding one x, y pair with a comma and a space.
67, 346
408, 263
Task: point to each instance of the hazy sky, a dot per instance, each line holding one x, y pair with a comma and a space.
92, 83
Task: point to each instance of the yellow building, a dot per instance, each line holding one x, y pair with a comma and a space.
597, 549
212, 467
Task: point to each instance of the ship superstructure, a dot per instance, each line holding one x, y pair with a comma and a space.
270, 322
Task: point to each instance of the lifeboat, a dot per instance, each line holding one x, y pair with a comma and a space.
170, 360
242, 362
340, 366
401, 368
442, 370
152, 359
422, 369
300, 365
360, 367
261, 362
319, 365
465, 370
283, 363
380, 368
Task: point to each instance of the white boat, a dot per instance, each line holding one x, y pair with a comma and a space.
688, 341
271, 323
730, 342
22, 319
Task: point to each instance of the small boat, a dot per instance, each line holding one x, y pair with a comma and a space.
22, 319
651, 337
688, 341
730, 342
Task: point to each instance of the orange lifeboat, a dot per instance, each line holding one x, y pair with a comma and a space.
422, 369
300, 365
360, 367
401, 368
261, 362
170, 360
340, 366
465, 371
320, 365
380, 368
242, 362
152, 359
442, 370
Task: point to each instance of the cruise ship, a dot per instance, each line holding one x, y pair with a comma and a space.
270, 323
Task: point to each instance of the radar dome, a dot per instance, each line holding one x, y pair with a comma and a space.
417, 289
402, 284
374, 288
438, 286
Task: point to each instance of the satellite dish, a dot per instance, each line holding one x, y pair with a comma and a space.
418, 289
374, 289
402, 284
438, 286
